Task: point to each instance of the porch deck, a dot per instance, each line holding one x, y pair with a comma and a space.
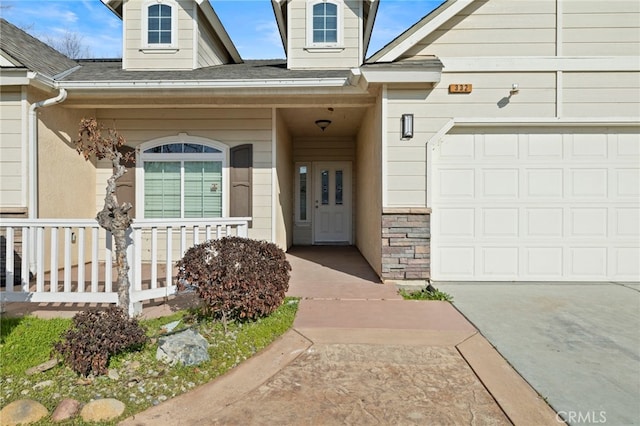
318, 272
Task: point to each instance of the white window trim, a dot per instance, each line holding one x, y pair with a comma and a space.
144, 36
141, 157
299, 221
324, 47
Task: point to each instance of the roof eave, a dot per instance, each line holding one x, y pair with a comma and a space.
368, 29
280, 12
115, 6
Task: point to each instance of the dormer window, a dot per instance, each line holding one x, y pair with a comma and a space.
325, 23
159, 28
324, 18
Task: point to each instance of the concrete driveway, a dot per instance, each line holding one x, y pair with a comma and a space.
577, 344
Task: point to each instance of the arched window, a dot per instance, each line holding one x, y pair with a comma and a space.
159, 24
182, 177
325, 23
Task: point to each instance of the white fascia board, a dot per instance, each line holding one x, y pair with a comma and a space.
14, 77
399, 47
215, 22
540, 63
368, 30
206, 84
277, 6
401, 76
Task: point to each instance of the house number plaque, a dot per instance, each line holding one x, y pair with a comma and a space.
460, 88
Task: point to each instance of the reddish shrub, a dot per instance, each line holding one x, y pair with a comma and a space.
95, 336
236, 277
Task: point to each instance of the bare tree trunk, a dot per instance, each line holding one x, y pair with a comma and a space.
115, 219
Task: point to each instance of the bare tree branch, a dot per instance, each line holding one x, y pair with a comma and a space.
70, 44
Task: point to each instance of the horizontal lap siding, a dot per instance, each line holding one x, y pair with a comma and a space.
298, 57
406, 160
231, 127
11, 165
210, 50
601, 28
495, 28
135, 40
594, 94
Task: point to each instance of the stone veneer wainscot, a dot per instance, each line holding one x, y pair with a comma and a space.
406, 237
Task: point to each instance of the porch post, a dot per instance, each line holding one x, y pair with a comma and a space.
135, 307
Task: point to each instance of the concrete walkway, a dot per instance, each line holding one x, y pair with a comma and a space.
358, 354
577, 344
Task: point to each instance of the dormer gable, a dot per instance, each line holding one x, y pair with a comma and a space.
172, 35
325, 33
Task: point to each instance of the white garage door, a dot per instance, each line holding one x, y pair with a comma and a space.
536, 206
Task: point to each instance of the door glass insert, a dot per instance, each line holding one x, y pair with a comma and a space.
338, 187
325, 186
303, 192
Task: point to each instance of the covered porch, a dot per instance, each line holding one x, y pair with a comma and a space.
318, 272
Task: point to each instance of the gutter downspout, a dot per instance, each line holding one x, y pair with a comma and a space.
33, 164
33, 149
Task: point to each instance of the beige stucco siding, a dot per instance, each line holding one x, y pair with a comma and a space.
346, 54
12, 151
284, 185
495, 28
368, 187
182, 57
65, 180
595, 28
231, 127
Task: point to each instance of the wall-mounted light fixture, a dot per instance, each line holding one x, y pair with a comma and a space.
323, 124
407, 126
515, 88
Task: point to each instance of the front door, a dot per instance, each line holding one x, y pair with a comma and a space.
332, 202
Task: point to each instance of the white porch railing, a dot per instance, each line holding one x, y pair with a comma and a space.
71, 260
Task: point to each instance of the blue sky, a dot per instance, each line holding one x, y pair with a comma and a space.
250, 23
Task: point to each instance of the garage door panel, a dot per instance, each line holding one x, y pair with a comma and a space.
543, 261
456, 262
456, 183
544, 183
544, 222
585, 146
543, 206
627, 223
588, 222
499, 183
588, 182
500, 147
499, 222
460, 147
628, 147
626, 263
544, 146
499, 261
628, 183
588, 261
456, 222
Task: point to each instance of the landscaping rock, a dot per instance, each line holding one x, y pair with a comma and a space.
41, 385
42, 367
102, 409
23, 411
113, 374
67, 409
186, 347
